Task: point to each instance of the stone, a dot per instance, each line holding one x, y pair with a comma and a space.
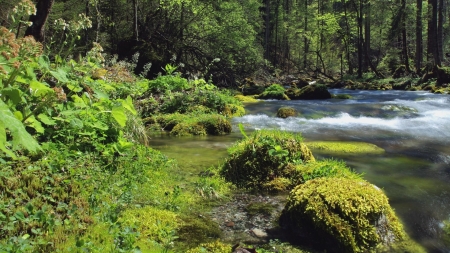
259, 232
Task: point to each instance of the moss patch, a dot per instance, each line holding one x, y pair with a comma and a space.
342, 212
246, 99
346, 147
263, 157
259, 208
213, 247
326, 168
286, 111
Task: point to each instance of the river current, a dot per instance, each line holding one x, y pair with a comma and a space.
412, 127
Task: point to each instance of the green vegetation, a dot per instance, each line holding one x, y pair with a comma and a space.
349, 214
265, 159
345, 147
274, 91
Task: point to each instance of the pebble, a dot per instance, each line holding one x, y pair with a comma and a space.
259, 233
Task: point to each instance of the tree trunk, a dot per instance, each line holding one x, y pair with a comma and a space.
404, 45
360, 39
367, 34
419, 40
432, 47
440, 31
267, 30
43, 8
135, 20
305, 40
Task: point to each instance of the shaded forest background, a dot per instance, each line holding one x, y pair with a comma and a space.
230, 40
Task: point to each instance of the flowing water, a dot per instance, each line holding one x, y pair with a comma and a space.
412, 127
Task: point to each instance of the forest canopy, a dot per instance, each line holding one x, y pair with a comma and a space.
229, 40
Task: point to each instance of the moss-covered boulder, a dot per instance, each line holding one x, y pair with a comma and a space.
343, 215
274, 91
318, 91
286, 111
265, 160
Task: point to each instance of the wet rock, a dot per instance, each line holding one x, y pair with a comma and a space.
259, 233
309, 92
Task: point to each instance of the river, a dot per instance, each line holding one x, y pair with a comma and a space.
412, 127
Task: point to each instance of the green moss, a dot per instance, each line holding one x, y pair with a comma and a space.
286, 111
259, 208
274, 91
187, 129
446, 233
326, 168
198, 230
153, 224
213, 247
346, 147
342, 96
263, 157
343, 212
246, 99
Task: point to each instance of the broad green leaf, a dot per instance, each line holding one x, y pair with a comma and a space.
3, 141
74, 87
119, 115
100, 94
18, 115
46, 120
34, 123
60, 74
79, 102
40, 89
30, 73
128, 104
76, 123
13, 94
44, 61
20, 137
100, 125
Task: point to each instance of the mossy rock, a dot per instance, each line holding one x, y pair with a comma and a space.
274, 91
231, 110
318, 91
188, 129
213, 247
345, 215
196, 230
215, 124
346, 147
342, 96
286, 111
263, 157
246, 99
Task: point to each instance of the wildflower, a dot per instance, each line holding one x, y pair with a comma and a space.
16, 65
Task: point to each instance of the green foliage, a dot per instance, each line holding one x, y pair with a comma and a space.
346, 147
343, 212
263, 157
213, 247
326, 168
274, 91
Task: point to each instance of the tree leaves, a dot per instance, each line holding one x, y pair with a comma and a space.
20, 137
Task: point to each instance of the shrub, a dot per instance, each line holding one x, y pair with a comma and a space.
350, 215
264, 157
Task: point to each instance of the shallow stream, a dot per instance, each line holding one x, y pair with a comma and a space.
412, 127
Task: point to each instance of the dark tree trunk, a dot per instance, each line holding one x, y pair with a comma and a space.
360, 39
404, 44
43, 8
305, 40
419, 40
440, 31
267, 30
367, 34
432, 47
135, 20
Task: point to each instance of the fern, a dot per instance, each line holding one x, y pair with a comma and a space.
20, 137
